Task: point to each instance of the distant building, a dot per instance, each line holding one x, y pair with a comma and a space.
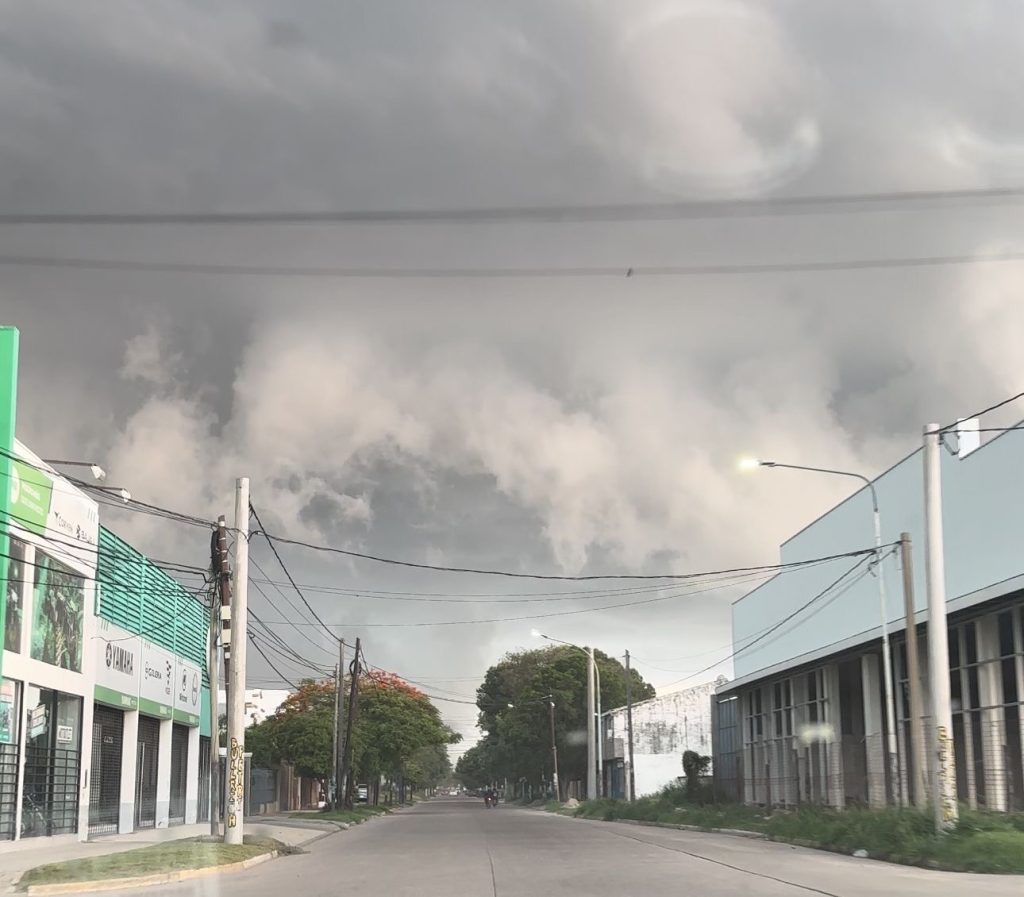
663, 728
261, 703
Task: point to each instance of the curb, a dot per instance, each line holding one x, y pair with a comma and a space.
735, 832
142, 881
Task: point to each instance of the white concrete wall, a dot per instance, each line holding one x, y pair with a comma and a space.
192, 779
163, 775
129, 761
663, 728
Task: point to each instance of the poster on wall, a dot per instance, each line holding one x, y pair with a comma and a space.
188, 686
156, 689
118, 665
59, 600
8, 712
14, 609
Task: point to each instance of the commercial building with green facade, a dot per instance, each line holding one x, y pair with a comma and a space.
104, 697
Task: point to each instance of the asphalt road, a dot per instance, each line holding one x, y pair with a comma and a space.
457, 848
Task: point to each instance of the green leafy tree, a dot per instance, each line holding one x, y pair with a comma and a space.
514, 710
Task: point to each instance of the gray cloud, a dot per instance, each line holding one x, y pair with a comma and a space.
556, 425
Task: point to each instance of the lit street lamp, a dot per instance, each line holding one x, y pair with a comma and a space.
595, 749
890, 706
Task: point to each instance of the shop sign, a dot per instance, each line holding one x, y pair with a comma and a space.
118, 665
156, 689
188, 686
31, 493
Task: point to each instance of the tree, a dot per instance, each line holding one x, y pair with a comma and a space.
514, 712
695, 767
398, 732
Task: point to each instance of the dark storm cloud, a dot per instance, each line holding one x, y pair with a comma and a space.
559, 425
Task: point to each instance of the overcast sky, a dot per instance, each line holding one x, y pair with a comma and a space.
553, 425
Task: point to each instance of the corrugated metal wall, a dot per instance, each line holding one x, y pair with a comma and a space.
136, 594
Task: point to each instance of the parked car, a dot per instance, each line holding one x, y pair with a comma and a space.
363, 794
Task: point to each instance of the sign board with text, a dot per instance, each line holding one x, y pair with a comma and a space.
156, 688
118, 665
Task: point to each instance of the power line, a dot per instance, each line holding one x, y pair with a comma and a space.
624, 271
287, 572
552, 214
270, 663
722, 584
330, 549
781, 622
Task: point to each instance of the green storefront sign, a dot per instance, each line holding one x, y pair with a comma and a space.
8, 405
30, 497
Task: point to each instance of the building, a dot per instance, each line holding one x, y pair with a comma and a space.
103, 694
804, 718
261, 703
663, 728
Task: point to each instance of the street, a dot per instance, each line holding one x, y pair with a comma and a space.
457, 848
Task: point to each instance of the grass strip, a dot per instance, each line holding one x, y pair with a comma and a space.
172, 856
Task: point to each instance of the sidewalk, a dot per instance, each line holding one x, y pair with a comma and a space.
33, 852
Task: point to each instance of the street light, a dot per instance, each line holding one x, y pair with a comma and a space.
98, 472
119, 491
890, 704
595, 749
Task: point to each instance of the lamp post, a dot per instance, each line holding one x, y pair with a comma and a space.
890, 704
594, 746
98, 473
550, 700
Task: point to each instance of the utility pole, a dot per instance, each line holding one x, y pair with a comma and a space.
235, 809
591, 745
554, 749
222, 631
943, 765
918, 792
353, 704
218, 565
630, 777
339, 684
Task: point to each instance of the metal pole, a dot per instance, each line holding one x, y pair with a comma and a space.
630, 776
918, 792
339, 704
600, 732
892, 760
224, 594
591, 747
943, 766
235, 810
554, 750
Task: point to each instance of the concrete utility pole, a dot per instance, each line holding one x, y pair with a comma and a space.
554, 749
353, 704
235, 809
943, 765
600, 728
630, 777
591, 745
221, 598
918, 792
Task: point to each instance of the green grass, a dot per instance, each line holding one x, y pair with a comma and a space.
982, 842
173, 856
352, 817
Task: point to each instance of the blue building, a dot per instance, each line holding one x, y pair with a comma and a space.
803, 720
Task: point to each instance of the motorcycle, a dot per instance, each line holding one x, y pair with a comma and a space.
490, 800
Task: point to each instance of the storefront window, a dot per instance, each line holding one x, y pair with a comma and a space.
15, 597
59, 599
52, 761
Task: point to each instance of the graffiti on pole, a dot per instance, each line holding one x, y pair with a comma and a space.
236, 780
947, 776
